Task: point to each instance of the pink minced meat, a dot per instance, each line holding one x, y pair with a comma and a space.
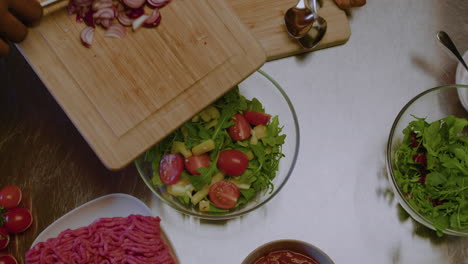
135, 239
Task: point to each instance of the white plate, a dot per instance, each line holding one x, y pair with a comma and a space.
112, 205
461, 77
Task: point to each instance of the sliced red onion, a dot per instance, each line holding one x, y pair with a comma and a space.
154, 19
87, 36
124, 19
157, 3
106, 23
116, 31
88, 18
82, 2
72, 9
139, 21
135, 12
78, 18
98, 5
133, 3
104, 13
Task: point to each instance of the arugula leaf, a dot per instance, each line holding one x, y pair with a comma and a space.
256, 106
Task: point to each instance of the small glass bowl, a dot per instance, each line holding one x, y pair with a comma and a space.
261, 86
433, 104
297, 246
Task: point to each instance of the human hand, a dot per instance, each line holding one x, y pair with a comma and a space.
15, 16
345, 4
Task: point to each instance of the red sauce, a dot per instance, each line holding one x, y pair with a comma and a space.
285, 257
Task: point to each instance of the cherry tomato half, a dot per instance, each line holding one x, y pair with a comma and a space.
6, 258
17, 220
10, 196
241, 128
4, 238
193, 163
170, 168
224, 194
256, 118
232, 162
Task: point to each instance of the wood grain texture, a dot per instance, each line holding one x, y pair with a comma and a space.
126, 95
265, 18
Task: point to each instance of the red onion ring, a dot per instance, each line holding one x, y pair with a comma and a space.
124, 19
154, 19
97, 5
106, 23
82, 2
116, 31
139, 21
157, 3
135, 12
87, 36
133, 3
72, 9
89, 19
104, 13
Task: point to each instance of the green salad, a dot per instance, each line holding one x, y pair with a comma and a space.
222, 158
431, 169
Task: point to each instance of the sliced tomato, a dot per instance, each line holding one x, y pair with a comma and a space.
224, 194
6, 258
193, 163
17, 220
4, 238
10, 196
241, 128
232, 162
170, 168
256, 118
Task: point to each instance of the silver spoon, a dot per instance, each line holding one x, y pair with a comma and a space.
304, 24
448, 43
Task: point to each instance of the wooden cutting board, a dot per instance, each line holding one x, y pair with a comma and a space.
265, 18
126, 95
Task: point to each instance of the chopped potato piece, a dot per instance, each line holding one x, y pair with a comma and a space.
213, 112
198, 196
240, 185
203, 147
204, 205
260, 131
181, 188
179, 147
250, 155
211, 124
217, 177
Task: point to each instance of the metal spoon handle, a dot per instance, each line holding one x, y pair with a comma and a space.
448, 43
314, 6
303, 4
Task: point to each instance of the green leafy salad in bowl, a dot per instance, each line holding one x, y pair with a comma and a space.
427, 160
431, 168
217, 163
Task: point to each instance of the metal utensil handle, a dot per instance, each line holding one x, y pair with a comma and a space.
303, 4
445, 39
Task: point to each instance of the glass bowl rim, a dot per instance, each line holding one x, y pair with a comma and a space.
396, 189
258, 205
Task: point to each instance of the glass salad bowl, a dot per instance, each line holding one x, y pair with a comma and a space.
276, 103
417, 193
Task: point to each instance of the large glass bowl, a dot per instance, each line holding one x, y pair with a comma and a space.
433, 104
276, 102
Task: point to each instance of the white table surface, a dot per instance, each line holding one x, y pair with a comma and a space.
346, 99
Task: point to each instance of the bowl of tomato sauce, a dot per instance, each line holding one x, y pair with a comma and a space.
229, 159
287, 251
